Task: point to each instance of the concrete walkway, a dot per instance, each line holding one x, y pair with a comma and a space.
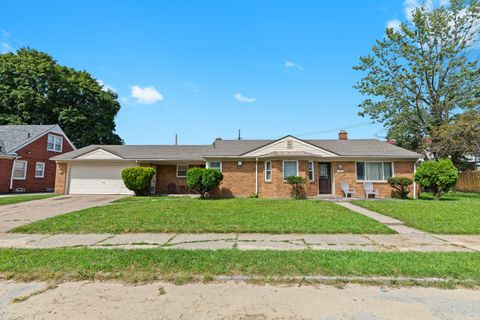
14, 215
246, 241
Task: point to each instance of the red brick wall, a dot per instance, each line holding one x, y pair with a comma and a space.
5, 174
401, 168
37, 152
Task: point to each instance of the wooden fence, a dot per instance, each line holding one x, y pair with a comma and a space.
468, 181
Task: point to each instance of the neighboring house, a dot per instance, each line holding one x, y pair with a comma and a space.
249, 166
25, 152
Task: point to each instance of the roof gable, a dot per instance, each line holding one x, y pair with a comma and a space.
289, 144
99, 154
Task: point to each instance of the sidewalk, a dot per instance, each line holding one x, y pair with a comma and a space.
247, 241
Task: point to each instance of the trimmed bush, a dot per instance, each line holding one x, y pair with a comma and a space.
204, 180
297, 184
437, 176
401, 184
138, 179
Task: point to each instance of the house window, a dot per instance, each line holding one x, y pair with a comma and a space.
290, 168
374, 171
268, 171
182, 170
311, 176
39, 170
215, 165
54, 143
20, 170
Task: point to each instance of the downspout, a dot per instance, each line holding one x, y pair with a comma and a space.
256, 177
10, 189
414, 183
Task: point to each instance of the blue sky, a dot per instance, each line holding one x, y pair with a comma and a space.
204, 69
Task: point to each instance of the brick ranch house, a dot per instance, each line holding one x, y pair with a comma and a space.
248, 166
25, 152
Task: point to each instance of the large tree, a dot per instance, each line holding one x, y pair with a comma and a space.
35, 89
423, 72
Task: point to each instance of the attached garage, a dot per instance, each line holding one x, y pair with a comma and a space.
97, 179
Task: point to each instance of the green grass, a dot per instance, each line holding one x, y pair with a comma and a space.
23, 198
455, 213
167, 214
150, 264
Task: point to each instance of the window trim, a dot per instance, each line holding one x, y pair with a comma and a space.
313, 171
25, 172
188, 167
43, 169
54, 139
283, 168
383, 170
269, 170
210, 162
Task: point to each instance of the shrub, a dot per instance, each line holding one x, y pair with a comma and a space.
437, 176
138, 179
203, 180
297, 184
402, 184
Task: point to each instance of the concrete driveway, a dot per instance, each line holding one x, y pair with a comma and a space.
17, 214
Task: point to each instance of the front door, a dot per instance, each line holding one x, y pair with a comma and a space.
324, 178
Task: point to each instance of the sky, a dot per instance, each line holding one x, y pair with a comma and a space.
204, 69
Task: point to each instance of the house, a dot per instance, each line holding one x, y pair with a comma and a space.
249, 166
25, 152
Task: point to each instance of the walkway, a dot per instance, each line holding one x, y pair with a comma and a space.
246, 241
14, 215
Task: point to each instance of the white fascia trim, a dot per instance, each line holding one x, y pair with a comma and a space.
94, 150
328, 153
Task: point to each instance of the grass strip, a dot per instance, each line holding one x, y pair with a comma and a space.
24, 198
152, 264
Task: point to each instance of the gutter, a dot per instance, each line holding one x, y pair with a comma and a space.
11, 175
414, 183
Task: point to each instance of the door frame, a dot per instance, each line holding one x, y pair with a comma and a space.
330, 172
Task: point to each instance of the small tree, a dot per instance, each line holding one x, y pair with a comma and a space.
437, 176
401, 184
297, 184
138, 179
203, 180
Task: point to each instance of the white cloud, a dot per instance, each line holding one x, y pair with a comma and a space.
146, 95
106, 86
241, 98
288, 64
394, 24
192, 86
5, 47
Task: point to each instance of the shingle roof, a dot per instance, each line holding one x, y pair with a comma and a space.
16, 135
232, 148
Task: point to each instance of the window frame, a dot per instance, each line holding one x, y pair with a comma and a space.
311, 162
43, 169
55, 138
209, 165
283, 168
178, 165
24, 173
267, 170
383, 171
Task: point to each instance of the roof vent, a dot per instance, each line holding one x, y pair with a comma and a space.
289, 144
28, 135
343, 135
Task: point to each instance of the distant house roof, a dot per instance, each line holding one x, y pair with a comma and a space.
237, 148
13, 137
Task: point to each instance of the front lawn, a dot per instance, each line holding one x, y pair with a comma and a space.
151, 264
168, 214
16, 199
455, 213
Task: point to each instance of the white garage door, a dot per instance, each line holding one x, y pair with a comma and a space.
97, 179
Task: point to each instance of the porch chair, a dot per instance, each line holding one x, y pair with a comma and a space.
368, 186
347, 190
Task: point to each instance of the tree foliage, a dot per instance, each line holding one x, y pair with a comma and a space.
438, 177
138, 179
422, 73
297, 183
401, 184
204, 180
35, 89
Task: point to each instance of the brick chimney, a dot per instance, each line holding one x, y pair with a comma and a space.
343, 135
